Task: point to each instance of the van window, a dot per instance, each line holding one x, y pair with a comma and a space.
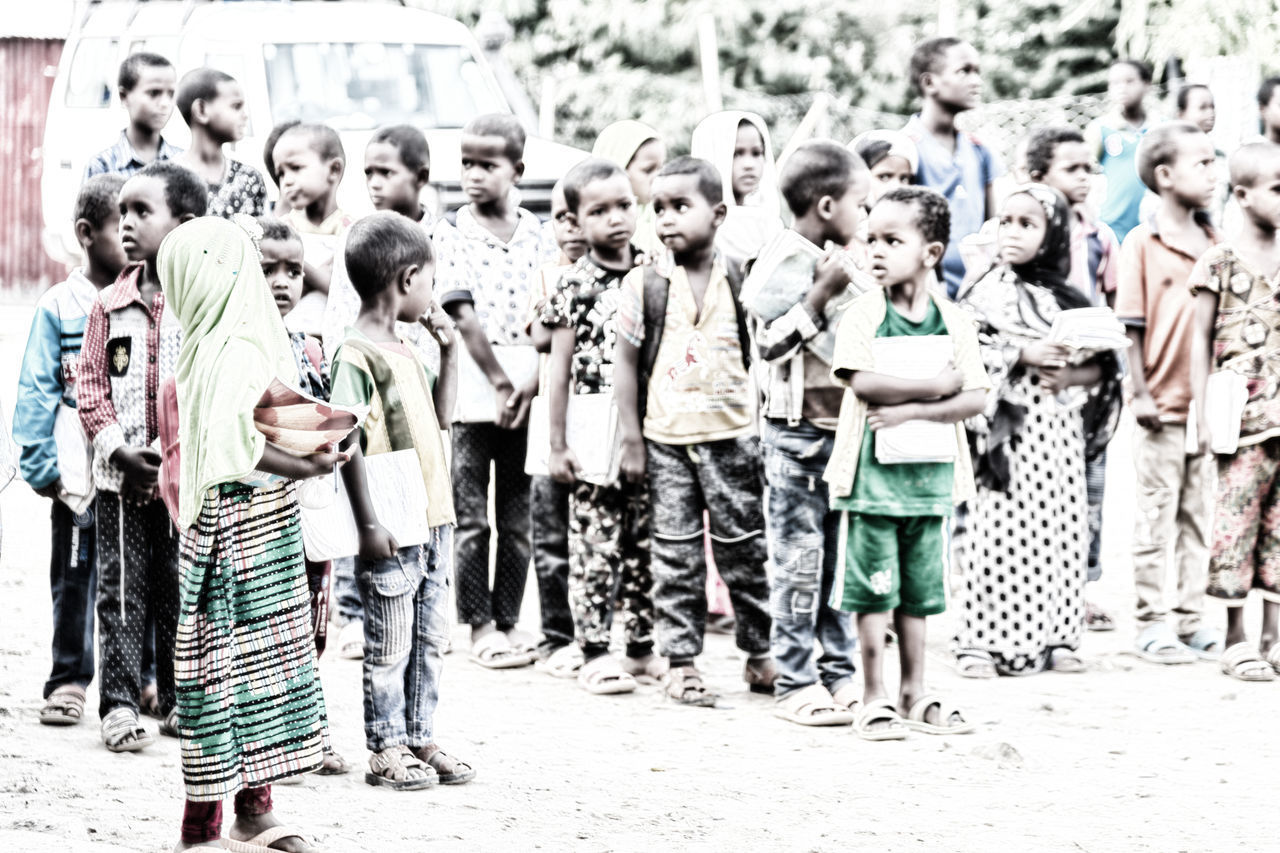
366, 85
91, 75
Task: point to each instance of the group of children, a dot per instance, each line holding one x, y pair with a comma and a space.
668, 313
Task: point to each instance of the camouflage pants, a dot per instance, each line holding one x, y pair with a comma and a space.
608, 561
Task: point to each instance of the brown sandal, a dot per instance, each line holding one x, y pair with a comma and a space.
64, 707
390, 769
449, 770
684, 685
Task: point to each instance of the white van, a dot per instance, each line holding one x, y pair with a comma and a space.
354, 65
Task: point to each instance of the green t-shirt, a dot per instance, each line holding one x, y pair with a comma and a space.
910, 489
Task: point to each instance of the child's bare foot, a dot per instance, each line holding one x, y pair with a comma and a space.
268, 831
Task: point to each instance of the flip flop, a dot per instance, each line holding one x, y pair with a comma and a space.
880, 712
604, 676
494, 651
915, 717
812, 706
263, 840
64, 707
1243, 662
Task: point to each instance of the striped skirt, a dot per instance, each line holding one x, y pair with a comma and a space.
250, 710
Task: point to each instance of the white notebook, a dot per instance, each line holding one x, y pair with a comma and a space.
476, 403
399, 495
75, 460
591, 431
1225, 395
914, 357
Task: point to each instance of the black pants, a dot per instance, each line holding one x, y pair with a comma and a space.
144, 583
73, 578
477, 447
550, 535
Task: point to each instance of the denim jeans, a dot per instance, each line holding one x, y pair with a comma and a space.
73, 581
803, 538
346, 592
406, 628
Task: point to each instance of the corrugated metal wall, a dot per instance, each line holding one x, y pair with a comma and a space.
27, 67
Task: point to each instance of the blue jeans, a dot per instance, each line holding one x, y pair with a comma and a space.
406, 628
803, 538
346, 593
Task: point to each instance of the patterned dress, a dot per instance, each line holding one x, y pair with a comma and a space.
242, 192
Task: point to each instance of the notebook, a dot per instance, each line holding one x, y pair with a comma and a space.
399, 495
591, 431
1225, 395
914, 357
476, 403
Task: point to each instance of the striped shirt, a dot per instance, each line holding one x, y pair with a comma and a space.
122, 158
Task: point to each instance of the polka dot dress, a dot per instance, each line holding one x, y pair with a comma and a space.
1022, 553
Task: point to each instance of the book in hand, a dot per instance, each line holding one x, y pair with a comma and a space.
476, 401
75, 460
591, 432
397, 491
916, 441
1225, 395
1088, 331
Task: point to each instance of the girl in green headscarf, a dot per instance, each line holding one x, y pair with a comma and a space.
250, 710
640, 152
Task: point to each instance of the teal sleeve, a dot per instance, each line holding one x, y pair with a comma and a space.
39, 395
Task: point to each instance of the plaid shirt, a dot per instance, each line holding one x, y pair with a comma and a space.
122, 158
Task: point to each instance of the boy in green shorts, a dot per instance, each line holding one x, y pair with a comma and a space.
895, 506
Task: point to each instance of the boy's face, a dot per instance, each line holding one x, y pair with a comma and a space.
686, 220
1200, 109
644, 164
416, 298
150, 102
487, 173
958, 81
565, 225
1070, 171
1022, 229
1125, 86
889, 173
226, 116
392, 185
304, 178
282, 267
896, 250
145, 217
1260, 201
848, 210
101, 243
607, 213
1193, 175
748, 160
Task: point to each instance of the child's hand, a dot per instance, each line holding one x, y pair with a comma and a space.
632, 464
563, 466
1147, 413
830, 276
377, 543
949, 381
1055, 379
440, 324
319, 464
141, 469
1044, 354
514, 410
882, 417
50, 490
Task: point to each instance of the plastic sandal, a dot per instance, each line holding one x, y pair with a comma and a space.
880, 712
604, 676
64, 707
947, 712
494, 651
684, 685
1242, 662
1205, 643
649, 669
812, 706
1157, 644
564, 662
121, 731
971, 663
1062, 659
1273, 657
263, 840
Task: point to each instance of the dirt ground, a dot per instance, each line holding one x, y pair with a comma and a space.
1128, 756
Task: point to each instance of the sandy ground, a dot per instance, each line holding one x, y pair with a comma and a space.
1128, 756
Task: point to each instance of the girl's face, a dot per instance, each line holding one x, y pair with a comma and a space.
282, 267
1200, 110
748, 161
1022, 229
644, 164
890, 173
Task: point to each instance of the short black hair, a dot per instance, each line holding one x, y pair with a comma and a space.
409, 141
1266, 90
199, 85
131, 68
1043, 144
815, 169
278, 229
268, 150
872, 150
1246, 160
99, 197
1184, 95
500, 124
324, 140
1159, 147
184, 191
928, 55
710, 186
589, 170
379, 247
933, 214
1143, 68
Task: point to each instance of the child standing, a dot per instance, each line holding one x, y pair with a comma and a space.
404, 589
145, 83
1114, 139
737, 144
894, 517
945, 71
1237, 328
795, 298
687, 418
1174, 501
608, 524
130, 348
640, 152
495, 257
46, 382
250, 711
212, 104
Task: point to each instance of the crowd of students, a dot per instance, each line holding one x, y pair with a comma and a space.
626, 379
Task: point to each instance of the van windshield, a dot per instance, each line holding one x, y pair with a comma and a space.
366, 85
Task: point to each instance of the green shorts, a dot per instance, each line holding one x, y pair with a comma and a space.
890, 563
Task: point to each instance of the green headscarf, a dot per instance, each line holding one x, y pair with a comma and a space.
233, 344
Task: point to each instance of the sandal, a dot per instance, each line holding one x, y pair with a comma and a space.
351, 640
1243, 662
1063, 659
1273, 656
263, 840
169, 725
333, 765
494, 651
650, 669
149, 701
1157, 644
392, 768
604, 676
760, 674
812, 706
1205, 643
684, 685
952, 719
121, 731
64, 707
974, 663
1097, 619
847, 697
449, 770
564, 662
521, 640
882, 711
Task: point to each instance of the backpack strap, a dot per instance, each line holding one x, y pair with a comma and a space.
656, 288
392, 407
734, 274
